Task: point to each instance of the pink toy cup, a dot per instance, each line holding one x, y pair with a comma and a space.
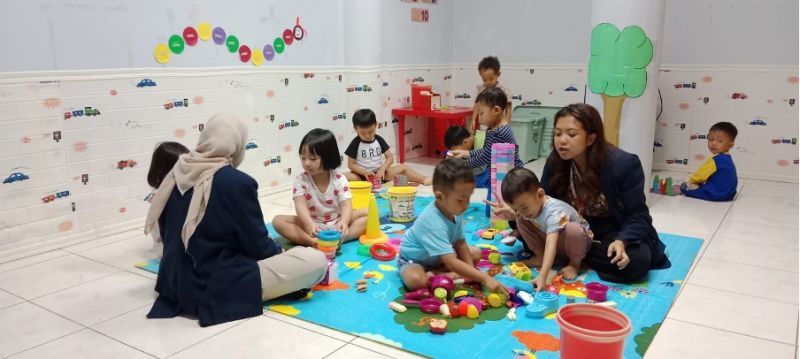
592, 331
596, 291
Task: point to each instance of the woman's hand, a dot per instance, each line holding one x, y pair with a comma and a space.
459, 153
501, 209
617, 249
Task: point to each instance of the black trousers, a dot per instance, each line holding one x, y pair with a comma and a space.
639, 255
640, 258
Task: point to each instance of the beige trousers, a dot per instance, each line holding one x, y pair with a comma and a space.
290, 271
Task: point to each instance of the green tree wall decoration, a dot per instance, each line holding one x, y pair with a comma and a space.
618, 69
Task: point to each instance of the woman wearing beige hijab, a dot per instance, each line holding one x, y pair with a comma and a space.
219, 263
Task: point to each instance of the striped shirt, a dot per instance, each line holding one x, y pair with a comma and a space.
483, 156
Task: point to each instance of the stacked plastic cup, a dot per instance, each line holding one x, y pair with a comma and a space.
328, 242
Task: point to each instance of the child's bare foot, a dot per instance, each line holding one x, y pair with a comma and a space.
569, 272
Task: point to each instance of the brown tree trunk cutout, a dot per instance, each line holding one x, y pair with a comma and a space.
612, 114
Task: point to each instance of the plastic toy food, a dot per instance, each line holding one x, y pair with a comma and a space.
438, 326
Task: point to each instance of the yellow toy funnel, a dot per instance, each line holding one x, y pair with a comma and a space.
374, 234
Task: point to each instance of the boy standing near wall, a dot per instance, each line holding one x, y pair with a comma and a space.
489, 70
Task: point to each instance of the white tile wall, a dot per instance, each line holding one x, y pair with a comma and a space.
768, 92
133, 120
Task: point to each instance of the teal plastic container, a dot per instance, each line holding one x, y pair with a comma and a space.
539, 144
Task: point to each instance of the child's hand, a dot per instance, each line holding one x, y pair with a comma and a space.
539, 283
495, 287
459, 153
343, 227
381, 174
501, 209
312, 230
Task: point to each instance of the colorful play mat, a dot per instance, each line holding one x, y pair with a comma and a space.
366, 314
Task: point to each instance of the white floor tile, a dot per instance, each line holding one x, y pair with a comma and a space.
158, 337
273, 210
333, 333
7, 299
757, 317
51, 276
110, 296
143, 273
104, 240
260, 337
771, 189
758, 233
384, 349
683, 224
763, 216
352, 351
123, 254
26, 325
83, 344
283, 198
39, 258
537, 166
674, 341
744, 279
758, 203
755, 254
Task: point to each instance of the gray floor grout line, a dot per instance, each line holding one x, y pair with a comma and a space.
13, 295
208, 338
99, 245
76, 285
743, 294
119, 315
66, 253
753, 265
99, 262
334, 351
140, 272
697, 260
314, 331
780, 246
80, 327
729, 331
748, 221
121, 342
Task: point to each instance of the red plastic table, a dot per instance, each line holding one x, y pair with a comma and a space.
440, 120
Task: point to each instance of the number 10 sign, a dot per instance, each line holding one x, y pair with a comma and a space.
419, 15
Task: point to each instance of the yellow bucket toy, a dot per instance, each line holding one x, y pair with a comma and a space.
362, 190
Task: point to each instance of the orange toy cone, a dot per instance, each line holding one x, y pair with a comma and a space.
374, 234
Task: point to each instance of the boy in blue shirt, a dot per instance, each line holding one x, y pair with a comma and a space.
716, 179
436, 243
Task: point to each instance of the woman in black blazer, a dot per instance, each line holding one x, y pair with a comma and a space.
219, 263
606, 186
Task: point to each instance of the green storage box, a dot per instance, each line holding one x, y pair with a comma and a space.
535, 140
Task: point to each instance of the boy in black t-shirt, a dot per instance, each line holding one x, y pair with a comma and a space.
369, 154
